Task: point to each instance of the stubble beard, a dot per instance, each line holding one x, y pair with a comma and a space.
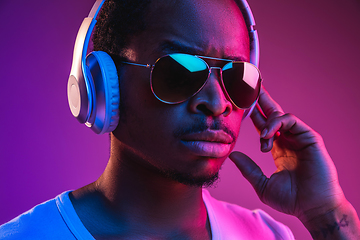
190, 180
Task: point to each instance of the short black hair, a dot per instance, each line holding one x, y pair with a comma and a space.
120, 19
117, 20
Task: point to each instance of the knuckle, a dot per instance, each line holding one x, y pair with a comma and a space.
276, 114
289, 119
289, 115
318, 137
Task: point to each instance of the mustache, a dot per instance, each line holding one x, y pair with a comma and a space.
202, 125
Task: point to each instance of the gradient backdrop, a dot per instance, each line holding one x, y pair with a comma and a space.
310, 60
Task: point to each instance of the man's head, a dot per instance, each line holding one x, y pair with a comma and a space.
188, 141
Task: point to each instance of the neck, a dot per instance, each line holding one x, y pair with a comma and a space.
132, 192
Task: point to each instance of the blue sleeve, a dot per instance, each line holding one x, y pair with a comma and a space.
41, 222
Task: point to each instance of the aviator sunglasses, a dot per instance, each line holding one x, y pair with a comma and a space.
176, 77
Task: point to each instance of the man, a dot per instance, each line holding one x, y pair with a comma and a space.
162, 153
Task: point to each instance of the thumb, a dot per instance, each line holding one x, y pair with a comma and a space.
251, 171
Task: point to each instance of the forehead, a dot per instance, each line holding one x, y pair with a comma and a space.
209, 27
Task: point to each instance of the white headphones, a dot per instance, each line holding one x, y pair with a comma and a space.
93, 86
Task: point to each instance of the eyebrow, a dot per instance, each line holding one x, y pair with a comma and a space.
237, 58
177, 47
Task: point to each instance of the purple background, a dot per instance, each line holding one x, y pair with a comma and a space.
309, 61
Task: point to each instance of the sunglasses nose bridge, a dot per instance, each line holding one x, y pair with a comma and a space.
221, 81
216, 68
218, 76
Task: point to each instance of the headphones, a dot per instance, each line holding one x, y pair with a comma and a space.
93, 85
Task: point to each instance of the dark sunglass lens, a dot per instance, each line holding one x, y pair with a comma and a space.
242, 82
177, 77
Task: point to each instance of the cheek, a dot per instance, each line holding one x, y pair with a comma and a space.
235, 118
135, 89
144, 120
149, 133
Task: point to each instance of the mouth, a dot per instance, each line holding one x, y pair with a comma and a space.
209, 143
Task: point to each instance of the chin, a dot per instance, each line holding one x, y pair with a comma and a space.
192, 180
204, 174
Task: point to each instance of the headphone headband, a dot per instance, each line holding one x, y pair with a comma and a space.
254, 38
81, 104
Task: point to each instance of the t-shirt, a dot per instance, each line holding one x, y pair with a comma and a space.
57, 219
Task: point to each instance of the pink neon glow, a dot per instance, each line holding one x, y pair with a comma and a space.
44, 150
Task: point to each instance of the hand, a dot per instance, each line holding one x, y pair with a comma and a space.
305, 183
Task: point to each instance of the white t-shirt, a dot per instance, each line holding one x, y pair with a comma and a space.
57, 219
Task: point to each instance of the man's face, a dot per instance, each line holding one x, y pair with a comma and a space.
188, 141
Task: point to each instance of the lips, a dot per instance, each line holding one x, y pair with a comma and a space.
209, 143
216, 136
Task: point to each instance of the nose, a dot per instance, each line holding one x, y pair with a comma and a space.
211, 100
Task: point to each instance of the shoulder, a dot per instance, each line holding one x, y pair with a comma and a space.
232, 220
43, 221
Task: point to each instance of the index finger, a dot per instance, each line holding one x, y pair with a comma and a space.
267, 104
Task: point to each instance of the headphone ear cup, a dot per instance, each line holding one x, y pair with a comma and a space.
105, 113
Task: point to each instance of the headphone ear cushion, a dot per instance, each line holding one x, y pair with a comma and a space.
105, 114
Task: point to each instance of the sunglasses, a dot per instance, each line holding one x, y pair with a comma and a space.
176, 77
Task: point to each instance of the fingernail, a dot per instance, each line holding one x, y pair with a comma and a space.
263, 133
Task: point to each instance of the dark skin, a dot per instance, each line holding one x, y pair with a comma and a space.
305, 183
134, 199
